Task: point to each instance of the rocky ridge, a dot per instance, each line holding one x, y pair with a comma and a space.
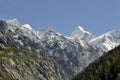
63, 56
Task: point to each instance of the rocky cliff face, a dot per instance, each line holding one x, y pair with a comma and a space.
18, 62
72, 54
60, 57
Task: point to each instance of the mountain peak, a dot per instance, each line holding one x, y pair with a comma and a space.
49, 29
80, 33
80, 28
13, 22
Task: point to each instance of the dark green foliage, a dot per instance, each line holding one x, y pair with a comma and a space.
106, 67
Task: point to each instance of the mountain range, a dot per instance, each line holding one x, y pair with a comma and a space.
106, 41
57, 57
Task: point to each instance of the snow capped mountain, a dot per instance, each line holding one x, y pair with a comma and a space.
80, 33
68, 52
48, 31
72, 53
29, 59
107, 41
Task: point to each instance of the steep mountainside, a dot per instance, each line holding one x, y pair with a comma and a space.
65, 56
19, 61
68, 52
106, 67
107, 41
71, 55
20, 64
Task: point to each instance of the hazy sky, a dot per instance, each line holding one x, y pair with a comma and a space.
96, 16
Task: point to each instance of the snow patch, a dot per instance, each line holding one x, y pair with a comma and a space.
26, 26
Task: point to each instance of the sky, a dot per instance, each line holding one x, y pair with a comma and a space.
95, 16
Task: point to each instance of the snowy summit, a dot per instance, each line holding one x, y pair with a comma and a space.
80, 33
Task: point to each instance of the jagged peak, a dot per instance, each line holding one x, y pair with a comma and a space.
80, 33
13, 22
49, 28
80, 28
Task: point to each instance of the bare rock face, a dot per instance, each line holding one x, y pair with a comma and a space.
42, 55
25, 65
18, 61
